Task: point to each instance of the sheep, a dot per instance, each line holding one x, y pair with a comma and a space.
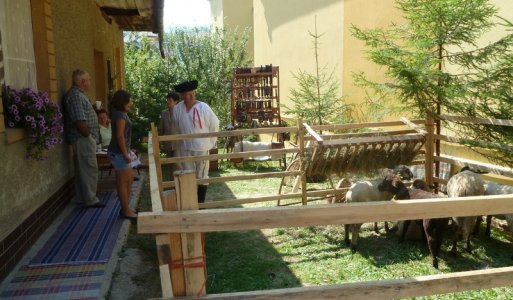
340, 198
258, 146
463, 184
492, 188
363, 191
366, 191
433, 229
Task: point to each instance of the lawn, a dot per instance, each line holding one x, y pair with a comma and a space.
293, 257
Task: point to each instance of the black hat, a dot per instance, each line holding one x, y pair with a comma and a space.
186, 86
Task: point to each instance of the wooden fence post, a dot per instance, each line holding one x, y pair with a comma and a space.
173, 249
156, 155
194, 261
428, 177
301, 138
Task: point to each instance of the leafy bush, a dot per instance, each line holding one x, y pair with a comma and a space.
190, 54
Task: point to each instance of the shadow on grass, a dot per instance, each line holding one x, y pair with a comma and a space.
243, 260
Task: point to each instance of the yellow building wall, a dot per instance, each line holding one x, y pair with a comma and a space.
235, 16
282, 38
78, 29
377, 13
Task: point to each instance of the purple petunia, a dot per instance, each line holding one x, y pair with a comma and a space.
38, 115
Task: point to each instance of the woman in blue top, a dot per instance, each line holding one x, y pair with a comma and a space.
119, 150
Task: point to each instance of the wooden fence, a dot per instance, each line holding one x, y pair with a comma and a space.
179, 225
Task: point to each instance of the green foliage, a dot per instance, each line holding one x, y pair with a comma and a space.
317, 99
435, 64
190, 54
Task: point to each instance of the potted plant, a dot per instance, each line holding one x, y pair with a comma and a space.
38, 115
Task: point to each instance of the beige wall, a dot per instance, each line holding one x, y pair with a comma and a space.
378, 13
282, 39
78, 29
234, 15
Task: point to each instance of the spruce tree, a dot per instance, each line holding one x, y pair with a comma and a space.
317, 99
435, 64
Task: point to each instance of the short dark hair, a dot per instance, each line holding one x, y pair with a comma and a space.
101, 111
120, 99
174, 96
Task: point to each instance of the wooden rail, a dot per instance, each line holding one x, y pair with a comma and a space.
234, 219
170, 184
385, 289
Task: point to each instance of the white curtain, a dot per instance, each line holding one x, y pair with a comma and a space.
18, 44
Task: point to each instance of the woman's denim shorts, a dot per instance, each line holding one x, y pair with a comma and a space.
118, 161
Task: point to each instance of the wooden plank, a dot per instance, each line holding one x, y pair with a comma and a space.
228, 155
302, 157
328, 137
170, 184
457, 140
474, 120
176, 270
314, 134
294, 194
362, 125
461, 162
387, 289
156, 203
192, 246
413, 126
233, 219
430, 150
376, 139
163, 250
156, 156
238, 132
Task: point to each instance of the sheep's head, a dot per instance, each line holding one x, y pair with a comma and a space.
403, 172
422, 185
391, 184
472, 169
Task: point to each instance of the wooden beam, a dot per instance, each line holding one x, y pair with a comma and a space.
156, 203
375, 139
430, 149
238, 132
361, 125
473, 120
461, 162
386, 289
328, 137
314, 134
233, 219
170, 184
413, 126
174, 250
223, 203
194, 261
228, 155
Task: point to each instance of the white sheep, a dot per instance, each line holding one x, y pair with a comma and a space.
492, 188
463, 184
247, 146
363, 191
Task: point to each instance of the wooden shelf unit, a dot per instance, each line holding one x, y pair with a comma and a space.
256, 97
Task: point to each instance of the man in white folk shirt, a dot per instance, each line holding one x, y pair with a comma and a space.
193, 116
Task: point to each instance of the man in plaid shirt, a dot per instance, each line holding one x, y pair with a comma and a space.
82, 132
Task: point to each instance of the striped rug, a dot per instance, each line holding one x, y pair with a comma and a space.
56, 282
72, 263
87, 235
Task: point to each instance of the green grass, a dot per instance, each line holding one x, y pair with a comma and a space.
293, 257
